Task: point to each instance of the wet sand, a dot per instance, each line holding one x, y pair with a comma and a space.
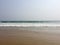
17, 36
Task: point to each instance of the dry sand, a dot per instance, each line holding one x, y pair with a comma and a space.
15, 36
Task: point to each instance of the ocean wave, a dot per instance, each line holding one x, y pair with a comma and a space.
29, 24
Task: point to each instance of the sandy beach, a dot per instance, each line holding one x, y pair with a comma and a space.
18, 36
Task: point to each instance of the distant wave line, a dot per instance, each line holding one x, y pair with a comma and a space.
28, 24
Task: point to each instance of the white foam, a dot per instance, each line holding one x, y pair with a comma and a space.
29, 24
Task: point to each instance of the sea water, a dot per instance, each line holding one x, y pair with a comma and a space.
30, 23
47, 26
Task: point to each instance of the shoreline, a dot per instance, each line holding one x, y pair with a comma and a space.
19, 36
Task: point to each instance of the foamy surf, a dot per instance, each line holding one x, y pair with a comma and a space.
30, 24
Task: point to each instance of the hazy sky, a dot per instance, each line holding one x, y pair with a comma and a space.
29, 9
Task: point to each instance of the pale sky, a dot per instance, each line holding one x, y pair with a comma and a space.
29, 10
